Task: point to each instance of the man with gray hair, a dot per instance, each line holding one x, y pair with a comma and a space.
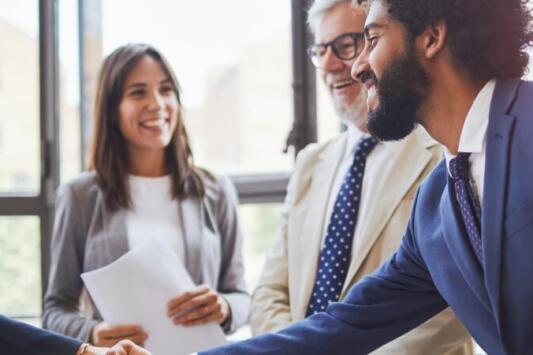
348, 202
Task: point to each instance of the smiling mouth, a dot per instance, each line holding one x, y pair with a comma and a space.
159, 123
342, 84
368, 79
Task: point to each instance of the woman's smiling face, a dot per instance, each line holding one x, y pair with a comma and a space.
148, 109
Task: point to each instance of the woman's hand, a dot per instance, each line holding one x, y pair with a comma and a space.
105, 335
198, 306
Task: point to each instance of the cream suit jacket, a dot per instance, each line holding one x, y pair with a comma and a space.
284, 289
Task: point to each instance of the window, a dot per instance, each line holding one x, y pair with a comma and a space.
19, 102
27, 172
69, 91
259, 225
20, 265
20, 171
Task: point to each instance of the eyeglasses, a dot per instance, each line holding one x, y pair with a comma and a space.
347, 46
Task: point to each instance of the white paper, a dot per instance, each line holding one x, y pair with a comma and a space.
135, 289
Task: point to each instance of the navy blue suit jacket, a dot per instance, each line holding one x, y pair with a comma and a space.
23, 339
435, 267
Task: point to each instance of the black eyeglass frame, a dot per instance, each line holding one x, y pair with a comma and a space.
355, 36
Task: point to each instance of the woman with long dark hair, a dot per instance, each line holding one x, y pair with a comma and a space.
142, 184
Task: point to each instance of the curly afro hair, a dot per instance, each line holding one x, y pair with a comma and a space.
488, 37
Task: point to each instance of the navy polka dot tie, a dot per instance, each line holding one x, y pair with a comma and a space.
468, 202
337, 247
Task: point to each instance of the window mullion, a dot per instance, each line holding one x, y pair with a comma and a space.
49, 118
304, 129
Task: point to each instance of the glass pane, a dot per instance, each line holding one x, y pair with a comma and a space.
20, 267
69, 92
234, 68
259, 224
329, 124
19, 97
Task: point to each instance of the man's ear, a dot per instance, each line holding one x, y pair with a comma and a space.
432, 40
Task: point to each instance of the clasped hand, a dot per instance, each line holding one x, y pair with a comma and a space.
123, 347
200, 305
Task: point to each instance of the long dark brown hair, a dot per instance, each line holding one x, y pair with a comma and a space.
109, 154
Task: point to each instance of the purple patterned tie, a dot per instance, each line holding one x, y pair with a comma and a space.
468, 202
336, 251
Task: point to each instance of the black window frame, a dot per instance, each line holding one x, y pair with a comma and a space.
41, 205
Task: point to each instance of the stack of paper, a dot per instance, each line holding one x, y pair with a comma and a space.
135, 289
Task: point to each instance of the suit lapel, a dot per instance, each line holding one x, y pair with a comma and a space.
116, 234
191, 221
458, 244
496, 164
313, 210
391, 186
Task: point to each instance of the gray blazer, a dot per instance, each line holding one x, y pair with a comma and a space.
88, 236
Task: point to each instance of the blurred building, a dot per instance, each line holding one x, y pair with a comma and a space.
19, 110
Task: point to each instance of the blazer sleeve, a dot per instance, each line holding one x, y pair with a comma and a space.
270, 309
20, 338
231, 283
396, 298
61, 304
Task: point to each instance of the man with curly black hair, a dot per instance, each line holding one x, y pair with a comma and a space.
454, 67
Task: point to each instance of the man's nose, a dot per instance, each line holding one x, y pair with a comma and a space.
360, 65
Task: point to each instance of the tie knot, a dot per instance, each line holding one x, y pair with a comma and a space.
460, 167
365, 146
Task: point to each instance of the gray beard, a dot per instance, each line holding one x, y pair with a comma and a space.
356, 114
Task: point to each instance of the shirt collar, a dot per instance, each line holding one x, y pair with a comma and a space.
474, 130
354, 135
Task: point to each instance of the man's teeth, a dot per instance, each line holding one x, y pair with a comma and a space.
342, 84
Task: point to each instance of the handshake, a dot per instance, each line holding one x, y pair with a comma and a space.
123, 347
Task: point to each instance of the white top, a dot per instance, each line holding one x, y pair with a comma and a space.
154, 213
374, 163
473, 137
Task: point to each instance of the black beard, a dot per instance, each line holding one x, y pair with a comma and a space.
400, 91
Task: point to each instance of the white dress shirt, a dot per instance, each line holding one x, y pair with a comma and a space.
155, 214
473, 137
374, 164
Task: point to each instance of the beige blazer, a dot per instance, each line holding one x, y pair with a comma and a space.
285, 286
